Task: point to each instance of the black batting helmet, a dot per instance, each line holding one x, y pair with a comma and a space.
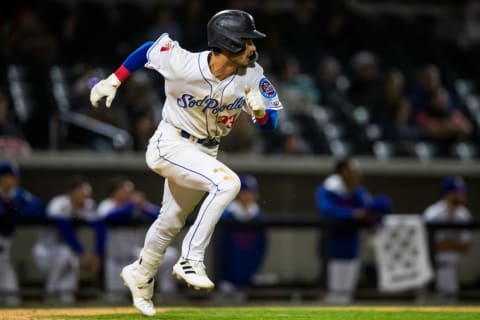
228, 29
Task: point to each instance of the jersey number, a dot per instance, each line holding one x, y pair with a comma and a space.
228, 121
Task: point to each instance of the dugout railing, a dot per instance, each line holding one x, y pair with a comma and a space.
276, 290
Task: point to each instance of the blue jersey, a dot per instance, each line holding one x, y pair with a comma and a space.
21, 204
336, 204
242, 251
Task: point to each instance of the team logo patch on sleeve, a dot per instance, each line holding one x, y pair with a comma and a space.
266, 88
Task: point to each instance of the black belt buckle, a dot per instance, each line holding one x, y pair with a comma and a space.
209, 142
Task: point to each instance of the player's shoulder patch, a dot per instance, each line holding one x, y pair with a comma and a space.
167, 46
266, 88
161, 52
164, 42
162, 45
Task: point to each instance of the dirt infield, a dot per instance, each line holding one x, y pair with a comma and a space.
39, 313
44, 314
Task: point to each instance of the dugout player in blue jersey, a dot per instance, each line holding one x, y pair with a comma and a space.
242, 251
15, 203
345, 203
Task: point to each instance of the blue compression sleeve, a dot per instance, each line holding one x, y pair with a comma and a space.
272, 121
137, 58
134, 61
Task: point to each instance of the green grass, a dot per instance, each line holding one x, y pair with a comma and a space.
297, 313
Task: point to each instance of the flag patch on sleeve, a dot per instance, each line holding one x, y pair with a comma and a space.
166, 47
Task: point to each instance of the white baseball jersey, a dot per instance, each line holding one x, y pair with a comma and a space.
105, 207
437, 212
196, 101
61, 207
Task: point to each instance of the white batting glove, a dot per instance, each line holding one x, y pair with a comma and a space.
105, 88
255, 102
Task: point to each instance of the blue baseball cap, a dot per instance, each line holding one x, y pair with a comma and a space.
453, 183
7, 168
248, 183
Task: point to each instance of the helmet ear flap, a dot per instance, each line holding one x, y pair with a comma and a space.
233, 45
229, 45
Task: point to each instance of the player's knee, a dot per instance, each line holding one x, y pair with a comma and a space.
230, 184
154, 161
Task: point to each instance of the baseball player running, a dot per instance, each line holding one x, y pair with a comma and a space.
205, 92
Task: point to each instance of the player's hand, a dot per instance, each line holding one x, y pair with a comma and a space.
139, 198
105, 88
361, 214
255, 102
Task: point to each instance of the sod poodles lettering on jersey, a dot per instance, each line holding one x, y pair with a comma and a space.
195, 100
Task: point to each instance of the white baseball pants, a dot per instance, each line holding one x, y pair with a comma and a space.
8, 278
446, 280
342, 280
61, 265
190, 170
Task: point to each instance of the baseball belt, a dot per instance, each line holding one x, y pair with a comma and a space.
206, 142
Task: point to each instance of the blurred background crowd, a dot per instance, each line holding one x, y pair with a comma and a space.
357, 77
